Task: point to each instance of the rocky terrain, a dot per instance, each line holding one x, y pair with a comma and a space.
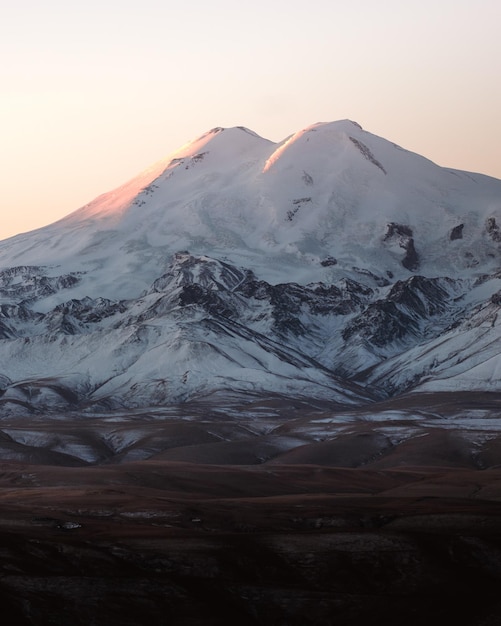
266, 512
164, 544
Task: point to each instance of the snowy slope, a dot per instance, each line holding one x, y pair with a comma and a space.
329, 190
333, 264
466, 357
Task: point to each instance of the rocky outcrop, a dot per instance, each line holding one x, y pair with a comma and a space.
411, 311
401, 235
493, 229
456, 232
367, 154
29, 283
381, 323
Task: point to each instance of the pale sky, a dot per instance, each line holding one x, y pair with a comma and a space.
92, 93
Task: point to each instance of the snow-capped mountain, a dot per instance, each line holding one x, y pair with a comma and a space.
334, 264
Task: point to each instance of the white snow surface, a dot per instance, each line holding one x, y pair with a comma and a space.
330, 189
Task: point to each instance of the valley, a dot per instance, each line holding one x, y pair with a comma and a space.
270, 511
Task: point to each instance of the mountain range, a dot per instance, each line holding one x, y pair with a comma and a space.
334, 265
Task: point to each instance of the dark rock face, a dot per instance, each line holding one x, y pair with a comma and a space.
209, 300
367, 154
328, 261
399, 315
493, 229
78, 316
381, 323
393, 229
402, 234
30, 283
411, 259
424, 296
457, 232
6, 332
289, 300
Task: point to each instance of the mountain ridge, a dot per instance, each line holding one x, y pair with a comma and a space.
333, 264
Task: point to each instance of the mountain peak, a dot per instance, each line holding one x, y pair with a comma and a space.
302, 261
229, 140
330, 190
315, 138
231, 129
345, 124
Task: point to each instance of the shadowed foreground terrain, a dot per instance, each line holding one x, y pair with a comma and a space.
268, 512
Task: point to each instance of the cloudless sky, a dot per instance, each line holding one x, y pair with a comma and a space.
91, 93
